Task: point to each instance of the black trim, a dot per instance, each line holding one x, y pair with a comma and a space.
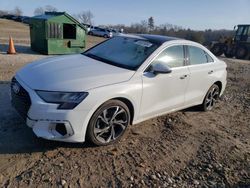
20, 100
187, 55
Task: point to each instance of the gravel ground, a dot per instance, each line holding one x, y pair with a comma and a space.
183, 149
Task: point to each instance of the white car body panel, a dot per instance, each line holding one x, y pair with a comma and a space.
163, 92
104, 82
77, 72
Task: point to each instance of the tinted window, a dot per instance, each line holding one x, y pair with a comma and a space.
245, 31
196, 55
124, 52
239, 30
172, 56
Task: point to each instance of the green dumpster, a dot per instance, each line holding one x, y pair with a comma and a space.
56, 33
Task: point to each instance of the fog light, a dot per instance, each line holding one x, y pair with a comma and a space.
60, 128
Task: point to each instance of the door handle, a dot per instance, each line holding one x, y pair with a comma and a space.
210, 72
183, 77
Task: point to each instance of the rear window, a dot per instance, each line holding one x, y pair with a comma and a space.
196, 55
209, 58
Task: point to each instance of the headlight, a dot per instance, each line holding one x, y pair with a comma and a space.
67, 100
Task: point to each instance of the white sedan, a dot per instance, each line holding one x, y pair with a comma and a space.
125, 80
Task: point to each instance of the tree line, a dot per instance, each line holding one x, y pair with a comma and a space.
148, 26
145, 26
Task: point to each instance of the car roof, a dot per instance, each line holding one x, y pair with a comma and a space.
158, 39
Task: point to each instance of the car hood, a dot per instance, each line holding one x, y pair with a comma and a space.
71, 73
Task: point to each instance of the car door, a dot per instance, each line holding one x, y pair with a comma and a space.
98, 32
165, 92
201, 69
102, 32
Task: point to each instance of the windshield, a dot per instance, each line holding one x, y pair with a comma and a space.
123, 52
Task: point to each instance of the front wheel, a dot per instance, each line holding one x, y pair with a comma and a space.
108, 123
211, 97
217, 49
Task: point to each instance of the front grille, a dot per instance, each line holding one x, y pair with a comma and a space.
20, 98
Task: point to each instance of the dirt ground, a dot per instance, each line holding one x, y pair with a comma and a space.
183, 149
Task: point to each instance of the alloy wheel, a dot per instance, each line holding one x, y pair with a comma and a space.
212, 97
110, 124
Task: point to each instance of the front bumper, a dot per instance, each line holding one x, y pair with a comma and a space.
50, 123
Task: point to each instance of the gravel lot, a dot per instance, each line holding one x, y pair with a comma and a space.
183, 149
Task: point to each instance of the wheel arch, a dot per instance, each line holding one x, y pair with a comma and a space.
219, 84
129, 105
125, 100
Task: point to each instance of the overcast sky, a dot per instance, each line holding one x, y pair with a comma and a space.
194, 14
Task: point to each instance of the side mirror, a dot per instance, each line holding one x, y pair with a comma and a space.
160, 68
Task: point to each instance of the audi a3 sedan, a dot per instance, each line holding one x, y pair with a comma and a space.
125, 80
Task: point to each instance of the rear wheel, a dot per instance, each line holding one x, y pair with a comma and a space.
211, 97
217, 49
241, 52
108, 123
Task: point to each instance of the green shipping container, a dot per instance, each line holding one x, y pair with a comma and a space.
57, 33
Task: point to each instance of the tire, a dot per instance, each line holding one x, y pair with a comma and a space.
91, 33
241, 52
211, 97
105, 36
217, 49
228, 52
108, 123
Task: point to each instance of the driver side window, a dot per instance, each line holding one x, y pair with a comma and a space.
172, 57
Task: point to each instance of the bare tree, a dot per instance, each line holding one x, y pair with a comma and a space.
86, 17
141, 27
50, 8
3, 12
39, 11
17, 12
42, 10
144, 26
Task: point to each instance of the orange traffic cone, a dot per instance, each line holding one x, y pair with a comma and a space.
11, 49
